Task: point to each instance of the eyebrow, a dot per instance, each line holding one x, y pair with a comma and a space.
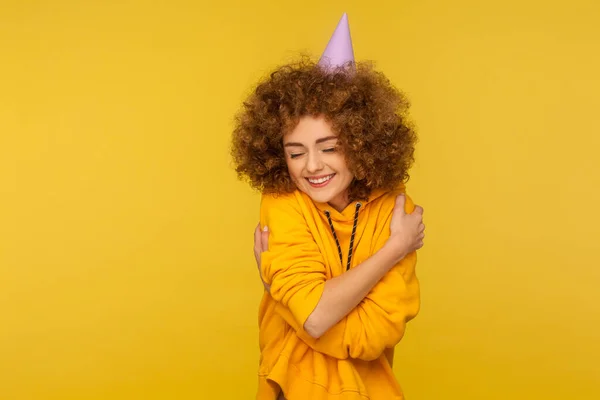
321, 140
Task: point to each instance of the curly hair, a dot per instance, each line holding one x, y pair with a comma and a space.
366, 111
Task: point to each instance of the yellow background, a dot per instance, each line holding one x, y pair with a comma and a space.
126, 267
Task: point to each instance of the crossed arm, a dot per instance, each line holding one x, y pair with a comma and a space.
358, 314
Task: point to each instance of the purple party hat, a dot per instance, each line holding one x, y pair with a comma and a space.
339, 50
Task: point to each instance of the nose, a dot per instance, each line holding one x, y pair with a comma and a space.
314, 163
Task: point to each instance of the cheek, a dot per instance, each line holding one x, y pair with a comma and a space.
294, 169
341, 166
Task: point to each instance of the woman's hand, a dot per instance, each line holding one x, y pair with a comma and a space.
407, 231
261, 243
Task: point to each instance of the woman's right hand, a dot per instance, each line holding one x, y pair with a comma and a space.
261, 244
407, 231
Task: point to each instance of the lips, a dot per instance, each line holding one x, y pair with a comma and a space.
320, 181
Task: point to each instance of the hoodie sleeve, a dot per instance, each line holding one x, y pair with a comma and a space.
296, 271
293, 265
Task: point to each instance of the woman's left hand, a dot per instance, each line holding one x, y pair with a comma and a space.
261, 244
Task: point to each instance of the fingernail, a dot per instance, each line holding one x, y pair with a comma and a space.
266, 229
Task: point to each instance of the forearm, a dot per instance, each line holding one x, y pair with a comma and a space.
343, 293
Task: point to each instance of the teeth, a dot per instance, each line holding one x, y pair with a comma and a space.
320, 180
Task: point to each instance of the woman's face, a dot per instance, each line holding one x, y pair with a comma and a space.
316, 162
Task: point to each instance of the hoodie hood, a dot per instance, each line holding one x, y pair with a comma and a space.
348, 213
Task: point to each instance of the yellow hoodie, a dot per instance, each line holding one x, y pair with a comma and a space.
352, 360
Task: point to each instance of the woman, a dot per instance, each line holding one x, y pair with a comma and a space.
330, 149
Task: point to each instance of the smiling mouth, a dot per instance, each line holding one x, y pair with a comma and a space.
321, 181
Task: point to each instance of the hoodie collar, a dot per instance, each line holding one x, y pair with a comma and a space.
347, 214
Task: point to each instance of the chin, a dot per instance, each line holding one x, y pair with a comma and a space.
319, 197
322, 195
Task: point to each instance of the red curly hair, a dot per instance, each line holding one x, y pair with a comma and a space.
366, 111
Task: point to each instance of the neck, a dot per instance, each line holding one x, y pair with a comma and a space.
340, 202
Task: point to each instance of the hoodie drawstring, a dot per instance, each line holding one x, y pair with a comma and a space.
337, 242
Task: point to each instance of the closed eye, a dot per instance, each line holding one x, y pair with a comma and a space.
330, 150
295, 155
